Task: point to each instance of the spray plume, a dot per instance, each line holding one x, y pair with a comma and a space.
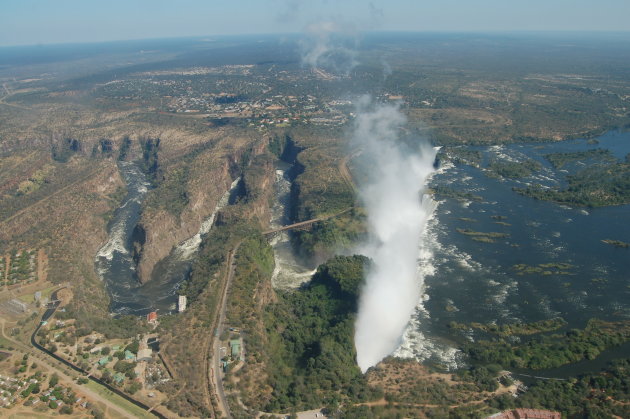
331, 44
397, 215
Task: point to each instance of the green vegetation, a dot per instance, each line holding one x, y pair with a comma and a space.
119, 327
311, 355
481, 236
182, 335
255, 264
35, 181
522, 89
332, 235
598, 395
596, 186
446, 192
131, 408
553, 268
559, 160
617, 243
550, 351
318, 189
212, 255
21, 269
513, 329
513, 170
460, 155
171, 193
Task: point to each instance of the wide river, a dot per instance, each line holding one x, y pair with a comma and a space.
471, 281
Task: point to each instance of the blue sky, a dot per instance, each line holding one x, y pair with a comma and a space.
57, 21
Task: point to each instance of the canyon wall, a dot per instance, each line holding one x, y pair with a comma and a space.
210, 173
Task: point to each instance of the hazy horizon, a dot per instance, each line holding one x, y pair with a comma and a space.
37, 22
216, 37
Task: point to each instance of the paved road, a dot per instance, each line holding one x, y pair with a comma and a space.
217, 371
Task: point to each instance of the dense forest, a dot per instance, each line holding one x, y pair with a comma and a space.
312, 355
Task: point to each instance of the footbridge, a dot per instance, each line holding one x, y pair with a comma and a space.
303, 225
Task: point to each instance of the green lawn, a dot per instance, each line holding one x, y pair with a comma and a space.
136, 411
29, 298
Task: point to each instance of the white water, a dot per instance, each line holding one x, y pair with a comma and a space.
114, 263
289, 271
187, 249
398, 215
137, 186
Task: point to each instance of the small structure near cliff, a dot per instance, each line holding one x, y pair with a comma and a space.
152, 317
181, 303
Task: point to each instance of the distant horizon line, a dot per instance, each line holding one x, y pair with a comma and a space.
301, 34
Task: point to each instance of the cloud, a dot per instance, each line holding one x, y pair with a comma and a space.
330, 44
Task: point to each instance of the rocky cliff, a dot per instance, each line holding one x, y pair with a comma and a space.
209, 175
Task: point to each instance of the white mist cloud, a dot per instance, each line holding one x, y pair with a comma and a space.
397, 215
330, 43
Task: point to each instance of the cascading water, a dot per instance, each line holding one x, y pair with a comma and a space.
397, 217
290, 271
115, 265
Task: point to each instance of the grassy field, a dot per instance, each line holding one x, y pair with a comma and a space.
30, 414
119, 401
29, 298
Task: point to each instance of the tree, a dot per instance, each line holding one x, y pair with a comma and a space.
133, 346
54, 379
66, 410
133, 387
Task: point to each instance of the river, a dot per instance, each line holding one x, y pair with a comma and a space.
115, 265
290, 271
470, 281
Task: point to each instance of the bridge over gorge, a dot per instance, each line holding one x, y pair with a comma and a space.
303, 225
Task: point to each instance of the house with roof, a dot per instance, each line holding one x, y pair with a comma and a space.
144, 354
235, 349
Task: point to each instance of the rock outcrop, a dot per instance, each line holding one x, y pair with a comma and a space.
210, 174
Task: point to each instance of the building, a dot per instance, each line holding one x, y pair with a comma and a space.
181, 303
152, 317
235, 349
144, 354
129, 355
119, 377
